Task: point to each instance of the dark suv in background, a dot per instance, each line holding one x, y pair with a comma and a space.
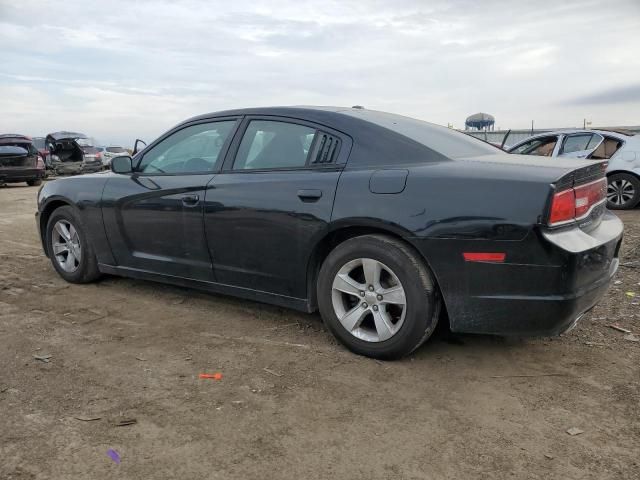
20, 160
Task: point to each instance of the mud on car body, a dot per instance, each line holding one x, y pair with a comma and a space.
381, 222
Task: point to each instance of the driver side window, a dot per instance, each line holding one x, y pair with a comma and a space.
194, 149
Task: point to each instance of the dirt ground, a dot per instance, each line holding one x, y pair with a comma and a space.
292, 403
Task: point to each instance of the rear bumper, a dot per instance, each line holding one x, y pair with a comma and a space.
75, 168
552, 280
11, 175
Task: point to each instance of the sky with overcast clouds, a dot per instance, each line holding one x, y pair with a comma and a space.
118, 70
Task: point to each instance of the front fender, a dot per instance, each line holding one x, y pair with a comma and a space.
83, 193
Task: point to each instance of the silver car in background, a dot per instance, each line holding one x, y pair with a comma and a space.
110, 152
620, 148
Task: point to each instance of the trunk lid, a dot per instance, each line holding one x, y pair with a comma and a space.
15, 157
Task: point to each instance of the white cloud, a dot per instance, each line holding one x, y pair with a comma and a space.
118, 70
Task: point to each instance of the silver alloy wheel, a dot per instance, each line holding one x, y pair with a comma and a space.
66, 246
369, 300
620, 191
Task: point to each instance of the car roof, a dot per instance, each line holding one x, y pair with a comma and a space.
619, 134
14, 137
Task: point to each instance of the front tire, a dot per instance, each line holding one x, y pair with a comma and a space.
34, 183
69, 249
377, 297
623, 191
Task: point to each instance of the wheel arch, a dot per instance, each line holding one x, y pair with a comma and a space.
344, 232
629, 172
51, 206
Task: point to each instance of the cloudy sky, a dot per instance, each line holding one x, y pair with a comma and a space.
118, 70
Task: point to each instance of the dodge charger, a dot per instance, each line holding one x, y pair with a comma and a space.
383, 223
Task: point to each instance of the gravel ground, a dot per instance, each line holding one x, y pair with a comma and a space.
292, 403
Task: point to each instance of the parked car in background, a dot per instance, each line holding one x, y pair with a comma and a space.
377, 220
111, 152
20, 161
41, 144
72, 153
620, 149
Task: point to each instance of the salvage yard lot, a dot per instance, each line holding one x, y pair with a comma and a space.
292, 403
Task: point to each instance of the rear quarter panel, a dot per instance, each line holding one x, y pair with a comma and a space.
451, 207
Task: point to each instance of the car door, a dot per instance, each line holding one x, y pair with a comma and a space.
272, 203
580, 145
154, 216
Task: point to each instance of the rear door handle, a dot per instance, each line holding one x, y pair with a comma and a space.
309, 195
190, 200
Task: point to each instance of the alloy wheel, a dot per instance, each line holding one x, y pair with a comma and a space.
620, 191
369, 300
66, 246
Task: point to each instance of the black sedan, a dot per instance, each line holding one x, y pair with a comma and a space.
381, 222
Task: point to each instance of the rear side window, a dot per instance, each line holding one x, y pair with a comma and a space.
578, 143
272, 144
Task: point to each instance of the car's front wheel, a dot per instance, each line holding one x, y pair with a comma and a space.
69, 249
623, 191
377, 297
34, 183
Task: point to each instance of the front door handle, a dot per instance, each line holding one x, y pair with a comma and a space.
309, 195
190, 200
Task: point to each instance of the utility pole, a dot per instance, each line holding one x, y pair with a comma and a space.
531, 127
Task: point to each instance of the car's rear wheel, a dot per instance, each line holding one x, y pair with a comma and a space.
71, 253
34, 183
377, 297
623, 191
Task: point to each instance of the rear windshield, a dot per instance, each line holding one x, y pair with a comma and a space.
446, 141
115, 150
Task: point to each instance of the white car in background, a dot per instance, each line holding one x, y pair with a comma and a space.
112, 152
621, 149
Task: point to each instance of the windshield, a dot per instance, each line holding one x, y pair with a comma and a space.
39, 143
116, 150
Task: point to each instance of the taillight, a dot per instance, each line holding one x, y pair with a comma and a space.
39, 163
575, 203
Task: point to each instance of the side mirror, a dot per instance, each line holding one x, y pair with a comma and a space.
121, 164
137, 148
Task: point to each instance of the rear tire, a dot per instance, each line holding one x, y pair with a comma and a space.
34, 183
623, 191
377, 297
69, 249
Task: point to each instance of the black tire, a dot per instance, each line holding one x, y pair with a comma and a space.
87, 270
422, 304
618, 180
34, 183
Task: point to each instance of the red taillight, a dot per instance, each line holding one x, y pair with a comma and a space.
98, 155
588, 195
576, 202
39, 163
563, 207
